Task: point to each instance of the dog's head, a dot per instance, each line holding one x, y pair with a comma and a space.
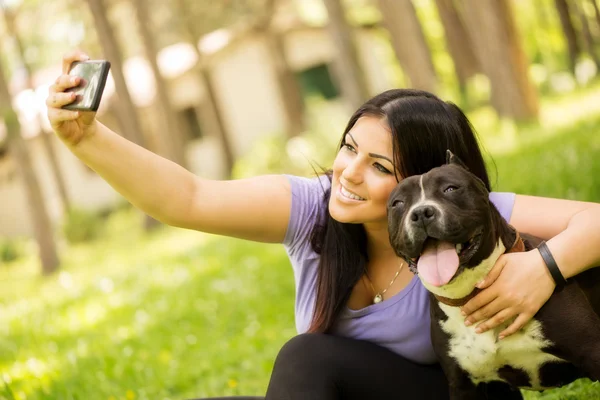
442, 222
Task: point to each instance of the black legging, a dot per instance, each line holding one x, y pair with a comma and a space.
326, 367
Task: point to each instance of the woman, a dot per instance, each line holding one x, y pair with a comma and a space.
366, 313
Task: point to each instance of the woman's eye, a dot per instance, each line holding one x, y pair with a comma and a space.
381, 168
450, 189
349, 147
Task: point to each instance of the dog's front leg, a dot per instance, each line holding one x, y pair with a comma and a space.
460, 384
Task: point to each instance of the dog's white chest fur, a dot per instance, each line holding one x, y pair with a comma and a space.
481, 355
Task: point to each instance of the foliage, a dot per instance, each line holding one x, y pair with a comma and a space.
10, 250
82, 225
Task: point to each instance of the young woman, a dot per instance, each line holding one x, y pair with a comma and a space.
362, 316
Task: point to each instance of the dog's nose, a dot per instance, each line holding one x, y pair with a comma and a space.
424, 214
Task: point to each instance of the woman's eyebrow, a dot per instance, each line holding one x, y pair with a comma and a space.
374, 155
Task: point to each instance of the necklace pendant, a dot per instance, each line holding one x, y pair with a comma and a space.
378, 298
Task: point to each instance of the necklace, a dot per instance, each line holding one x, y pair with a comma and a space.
379, 295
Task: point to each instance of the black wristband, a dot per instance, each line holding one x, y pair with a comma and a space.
558, 277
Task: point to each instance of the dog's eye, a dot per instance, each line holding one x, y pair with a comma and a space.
450, 188
397, 203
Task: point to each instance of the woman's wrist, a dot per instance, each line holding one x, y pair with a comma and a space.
551, 264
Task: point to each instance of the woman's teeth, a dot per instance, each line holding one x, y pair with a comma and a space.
349, 195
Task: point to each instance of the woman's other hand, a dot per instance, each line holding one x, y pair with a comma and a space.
70, 126
516, 288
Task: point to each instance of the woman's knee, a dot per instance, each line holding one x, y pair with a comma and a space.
304, 350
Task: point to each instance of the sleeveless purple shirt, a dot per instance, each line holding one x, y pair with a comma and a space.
400, 323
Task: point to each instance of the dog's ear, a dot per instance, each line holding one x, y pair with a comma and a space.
452, 159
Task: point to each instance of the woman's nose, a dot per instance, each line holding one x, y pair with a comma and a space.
353, 172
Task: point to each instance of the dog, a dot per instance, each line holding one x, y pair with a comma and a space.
450, 234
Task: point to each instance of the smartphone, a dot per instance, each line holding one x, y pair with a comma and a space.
93, 74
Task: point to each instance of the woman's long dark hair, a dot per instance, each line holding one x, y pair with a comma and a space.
423, 127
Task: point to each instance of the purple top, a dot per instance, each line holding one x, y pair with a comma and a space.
400, 323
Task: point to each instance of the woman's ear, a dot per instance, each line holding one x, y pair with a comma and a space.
452, 159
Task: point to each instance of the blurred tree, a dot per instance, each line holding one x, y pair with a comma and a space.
289, 87
192, 30
127, 116
566, 22
497, 43
171, 135
588, 40
348, 72
460, 48
42, 226
408, 41
11, 26
596, 11
126, 111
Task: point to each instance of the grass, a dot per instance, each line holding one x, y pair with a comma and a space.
178, 314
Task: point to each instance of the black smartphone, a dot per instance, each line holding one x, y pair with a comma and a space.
93, 74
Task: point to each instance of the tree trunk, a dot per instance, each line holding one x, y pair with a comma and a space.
408, 40
348, 72
588, 40
126, 111
9, 19
171, 133
127, 116
494, 34
290, 92
42, 225
596, 11
190, 27
562, 7
289, 89
459, 43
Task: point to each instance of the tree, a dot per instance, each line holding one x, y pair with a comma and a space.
349, 75
126, 112
9, 19
408, 40
127, 116
171, 133
289, 88
566, 22
192, 33
459, 44
494, 34
588, 40
42, 226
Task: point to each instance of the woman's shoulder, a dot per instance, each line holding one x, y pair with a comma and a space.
308, 205
504, 202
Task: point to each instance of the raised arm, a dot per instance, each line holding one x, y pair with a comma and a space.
255, 209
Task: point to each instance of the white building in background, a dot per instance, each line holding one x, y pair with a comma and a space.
246, 87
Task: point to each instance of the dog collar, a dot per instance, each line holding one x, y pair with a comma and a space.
517, 247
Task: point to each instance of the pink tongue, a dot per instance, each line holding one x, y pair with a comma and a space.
438, 262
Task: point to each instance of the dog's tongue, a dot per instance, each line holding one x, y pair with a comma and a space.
438, 262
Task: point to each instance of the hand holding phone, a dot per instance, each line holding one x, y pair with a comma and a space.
93, 74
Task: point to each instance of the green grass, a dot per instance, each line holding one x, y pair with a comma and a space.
178, 314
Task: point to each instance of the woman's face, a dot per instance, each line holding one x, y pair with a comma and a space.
363, 173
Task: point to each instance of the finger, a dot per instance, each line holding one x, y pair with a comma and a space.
487, 311
71, 57
517, 324
57, 115
493, 274
480, 300
64, 82
498, 319
57, 100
